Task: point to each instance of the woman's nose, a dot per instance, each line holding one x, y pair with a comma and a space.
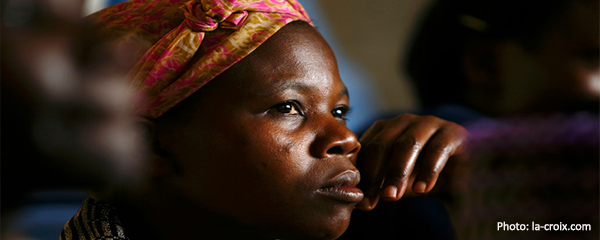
335, 139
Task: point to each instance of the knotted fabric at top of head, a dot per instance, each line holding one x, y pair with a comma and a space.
195, 41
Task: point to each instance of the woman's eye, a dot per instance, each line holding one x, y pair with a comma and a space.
289, 108
340, 112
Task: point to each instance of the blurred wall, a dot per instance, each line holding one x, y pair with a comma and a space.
374, 35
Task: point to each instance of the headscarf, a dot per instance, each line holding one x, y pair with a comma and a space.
194, 41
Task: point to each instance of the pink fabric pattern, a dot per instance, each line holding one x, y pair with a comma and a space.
198, 40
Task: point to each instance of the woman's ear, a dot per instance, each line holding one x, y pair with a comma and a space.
160, 164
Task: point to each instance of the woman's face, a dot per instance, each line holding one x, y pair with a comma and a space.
266, 142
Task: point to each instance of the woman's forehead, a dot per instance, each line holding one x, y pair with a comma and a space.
295, 45
296, 57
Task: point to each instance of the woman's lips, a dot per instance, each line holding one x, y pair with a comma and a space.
344, 194
343, 187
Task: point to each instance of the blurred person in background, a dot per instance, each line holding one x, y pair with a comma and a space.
508, 58
524, 78
66, 119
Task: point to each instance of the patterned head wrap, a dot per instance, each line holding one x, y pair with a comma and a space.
194, 41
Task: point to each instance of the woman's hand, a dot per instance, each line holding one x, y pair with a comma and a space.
405, 155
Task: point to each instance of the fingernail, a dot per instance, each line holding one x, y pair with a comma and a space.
391, 192
420, 187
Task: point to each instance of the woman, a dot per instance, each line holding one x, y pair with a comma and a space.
246, 112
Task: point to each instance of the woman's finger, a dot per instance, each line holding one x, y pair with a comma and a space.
447, 141
372, 159
405, 152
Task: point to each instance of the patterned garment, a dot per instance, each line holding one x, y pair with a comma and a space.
533, 170
95, 220
194, 41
